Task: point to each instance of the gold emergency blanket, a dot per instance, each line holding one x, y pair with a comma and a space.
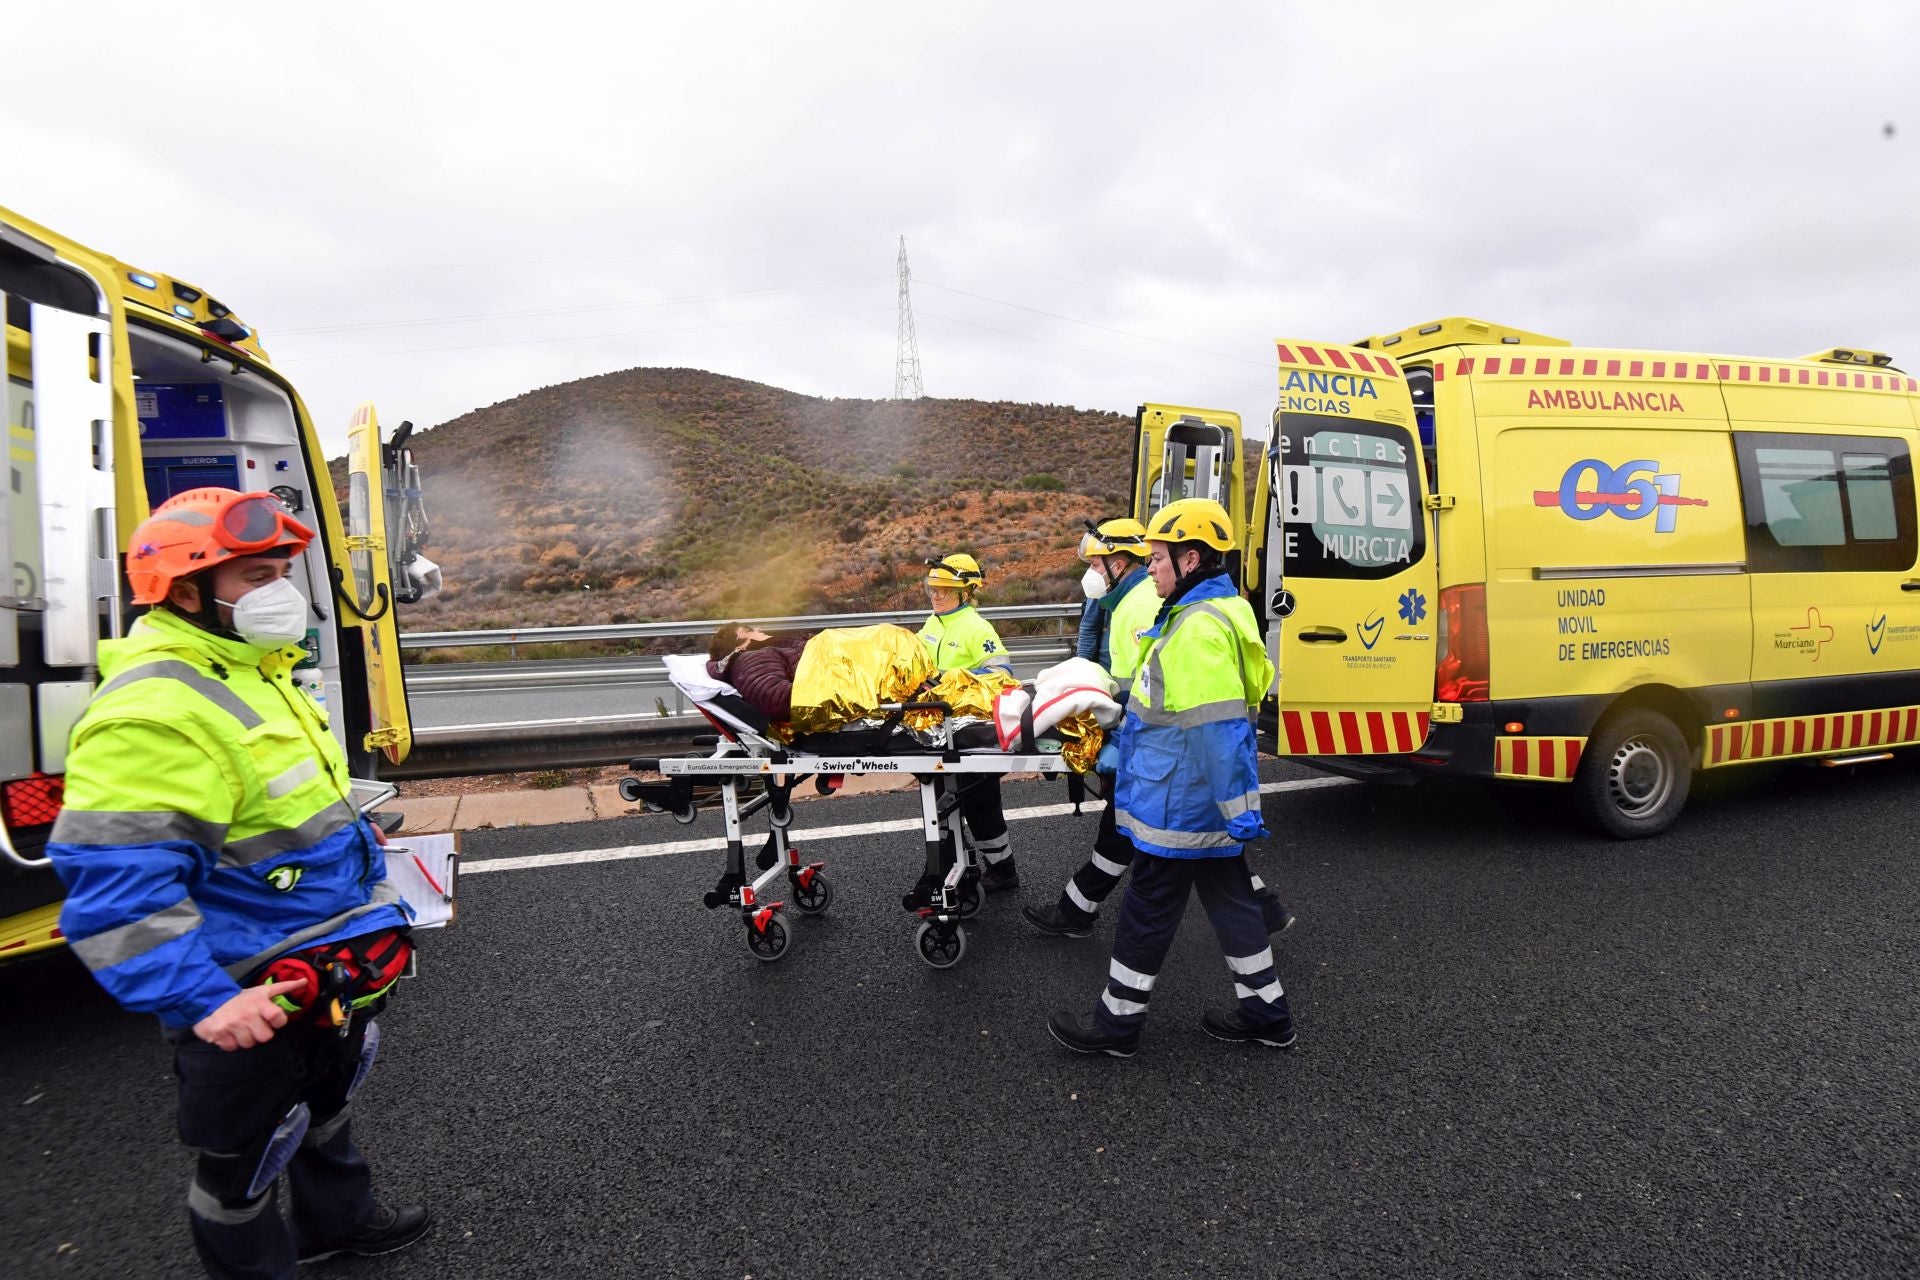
846, 673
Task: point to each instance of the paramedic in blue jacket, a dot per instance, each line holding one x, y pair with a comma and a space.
1187, 793
209, 846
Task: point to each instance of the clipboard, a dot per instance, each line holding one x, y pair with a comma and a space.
425, 870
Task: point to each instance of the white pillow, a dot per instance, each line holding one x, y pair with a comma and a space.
688, 671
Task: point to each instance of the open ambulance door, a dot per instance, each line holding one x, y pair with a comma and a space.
368, 591
1181, 452
1350, 573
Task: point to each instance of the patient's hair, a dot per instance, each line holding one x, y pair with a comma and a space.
724, 641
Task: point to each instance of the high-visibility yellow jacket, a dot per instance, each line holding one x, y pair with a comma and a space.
209, 825
961, 639
1188, 784
1131, 617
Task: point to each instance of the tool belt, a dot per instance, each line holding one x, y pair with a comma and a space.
343, 978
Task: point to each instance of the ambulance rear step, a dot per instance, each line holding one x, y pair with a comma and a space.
1872, 757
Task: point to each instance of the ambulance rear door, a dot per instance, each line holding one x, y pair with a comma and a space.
1351, 580
1181, 452
369, 588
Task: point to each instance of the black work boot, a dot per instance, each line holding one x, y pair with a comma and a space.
387, 1231
1229, 1025
1055, 923
996, 876
1278, 918
1082, 1035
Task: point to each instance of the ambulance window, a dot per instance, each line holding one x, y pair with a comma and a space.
1348, 497
1420, 387
1826, 503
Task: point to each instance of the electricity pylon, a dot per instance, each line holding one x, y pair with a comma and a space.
906, 359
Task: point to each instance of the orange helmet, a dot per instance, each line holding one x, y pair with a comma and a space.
197, 529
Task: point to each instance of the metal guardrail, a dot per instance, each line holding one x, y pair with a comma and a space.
682, 630
581, 741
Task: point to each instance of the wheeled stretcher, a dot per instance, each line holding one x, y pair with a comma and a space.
754, 772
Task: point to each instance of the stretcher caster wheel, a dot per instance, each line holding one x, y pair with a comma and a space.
685, 816
814, 896
941, 946
972, 898
770, 941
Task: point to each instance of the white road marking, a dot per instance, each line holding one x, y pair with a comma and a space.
803, 837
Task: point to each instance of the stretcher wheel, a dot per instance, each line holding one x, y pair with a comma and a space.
941, 946
972, 898
686, 816
770, 943
813, 897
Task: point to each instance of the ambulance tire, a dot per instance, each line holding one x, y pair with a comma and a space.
1634, 775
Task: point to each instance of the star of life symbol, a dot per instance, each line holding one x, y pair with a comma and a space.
1413, 607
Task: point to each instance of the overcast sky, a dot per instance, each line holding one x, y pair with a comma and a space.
442, 206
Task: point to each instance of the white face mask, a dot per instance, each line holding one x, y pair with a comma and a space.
271, 616
1093, 583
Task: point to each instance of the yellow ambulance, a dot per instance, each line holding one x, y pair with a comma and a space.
1486, 553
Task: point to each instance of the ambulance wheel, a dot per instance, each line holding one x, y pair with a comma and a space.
813, 897
770, 943
1634, 775
941, 946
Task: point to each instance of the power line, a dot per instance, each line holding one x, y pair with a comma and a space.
588, 337
580, 310
538, 262
1054, 342
1125, 333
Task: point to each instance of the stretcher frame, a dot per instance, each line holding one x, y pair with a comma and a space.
743, 754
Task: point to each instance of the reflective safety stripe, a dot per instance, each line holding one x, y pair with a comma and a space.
206, 686
1103, 863
1081, 900
1268, 993
1174, 839
1257, 883
99, 826
1239, 805
1261, 959
1156, 678
1194, 717
321, 1134
121, 944
244, 853
203, 1204
292, 778
1131, 977
384, 895
1122, 1008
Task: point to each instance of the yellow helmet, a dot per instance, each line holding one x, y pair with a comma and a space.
1192, 520
959, 571
1122, 536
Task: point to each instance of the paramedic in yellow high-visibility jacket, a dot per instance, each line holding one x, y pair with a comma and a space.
219, 875
960, 639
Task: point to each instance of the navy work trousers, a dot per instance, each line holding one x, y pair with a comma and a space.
230, 1105
1149, 918
1112, 854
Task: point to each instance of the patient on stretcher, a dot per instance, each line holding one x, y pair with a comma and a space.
841, 677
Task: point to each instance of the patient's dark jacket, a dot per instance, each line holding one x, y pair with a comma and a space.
764, 674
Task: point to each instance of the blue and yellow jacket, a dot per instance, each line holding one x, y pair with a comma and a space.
1189, 783
209, 825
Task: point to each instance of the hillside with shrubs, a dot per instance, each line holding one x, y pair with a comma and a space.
676, 494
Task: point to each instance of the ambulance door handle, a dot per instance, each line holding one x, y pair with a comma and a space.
1322, 635
1911, 584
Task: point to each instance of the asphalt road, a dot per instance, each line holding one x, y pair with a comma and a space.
1525, 1052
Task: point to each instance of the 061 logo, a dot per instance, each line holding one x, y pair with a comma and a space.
1633, 491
